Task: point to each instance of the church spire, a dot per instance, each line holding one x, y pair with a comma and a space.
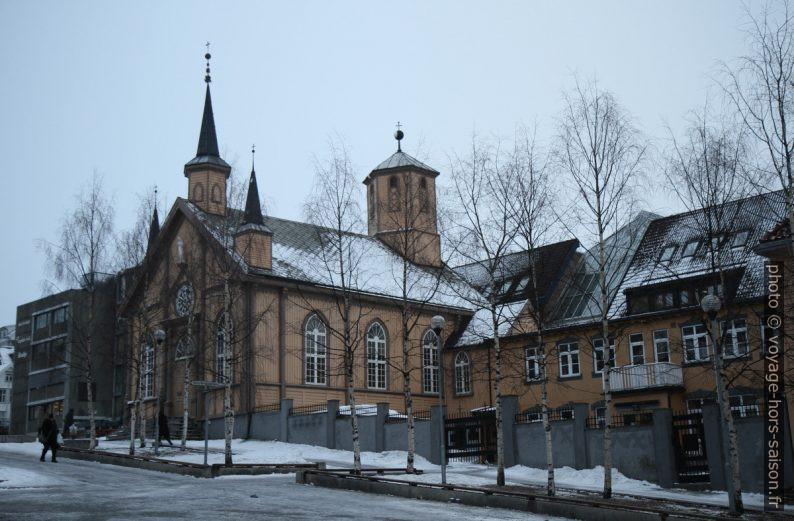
207, 152
154, 225
253, 211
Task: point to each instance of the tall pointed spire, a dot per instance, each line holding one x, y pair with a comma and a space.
154, 225
207, 151
253, 210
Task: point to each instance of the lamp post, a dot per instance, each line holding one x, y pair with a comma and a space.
711, 305
159, 338
437, 325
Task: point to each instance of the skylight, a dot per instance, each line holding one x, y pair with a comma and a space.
739, 239
667, 253
690, 248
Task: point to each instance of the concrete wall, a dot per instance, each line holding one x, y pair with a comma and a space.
265, 426
632, 451
531, 444
309, 429
396, 437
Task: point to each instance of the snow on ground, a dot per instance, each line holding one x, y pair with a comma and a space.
22, 478
466, 474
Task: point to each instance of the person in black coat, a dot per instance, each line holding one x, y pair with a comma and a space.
165, 433
48, 436
68, 422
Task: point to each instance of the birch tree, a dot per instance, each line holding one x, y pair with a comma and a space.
333, 207
602, 153
82, 254
533, 219
707, 170
482, 232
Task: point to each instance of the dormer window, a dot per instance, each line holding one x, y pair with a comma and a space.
740, 239
690, 248
667, 253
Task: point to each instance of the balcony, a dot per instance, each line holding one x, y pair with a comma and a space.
645, 376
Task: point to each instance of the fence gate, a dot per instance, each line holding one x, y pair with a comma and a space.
471, 438
690, 448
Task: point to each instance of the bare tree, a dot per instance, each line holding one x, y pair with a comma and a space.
532, 210
761, 87
482, 232
707, 169
334, 209
80, 257
602, 153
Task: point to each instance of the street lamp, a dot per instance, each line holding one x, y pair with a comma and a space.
711, 305
437, 325
159, 338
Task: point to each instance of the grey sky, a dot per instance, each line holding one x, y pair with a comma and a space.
118, 88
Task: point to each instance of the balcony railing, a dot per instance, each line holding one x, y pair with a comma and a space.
645, 376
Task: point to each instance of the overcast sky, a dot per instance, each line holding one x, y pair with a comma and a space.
117, 88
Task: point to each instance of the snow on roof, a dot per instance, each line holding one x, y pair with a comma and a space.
6, 359
400, 159
754, 215
481, 325
300, 251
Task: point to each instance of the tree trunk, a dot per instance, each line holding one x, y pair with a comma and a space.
133, 417
89, 371
544, 402
351, 398
607, 351
185, 404
409, 405
228, 412
727, 417
500, 443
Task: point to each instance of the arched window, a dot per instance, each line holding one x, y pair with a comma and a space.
462, 373
223, 349
424, 204
376, 357
430, 362
147, 366
315, 350
371, 195
394, 194
198, 192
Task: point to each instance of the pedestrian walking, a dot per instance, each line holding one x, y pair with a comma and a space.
165, 433
48, 436
68, 421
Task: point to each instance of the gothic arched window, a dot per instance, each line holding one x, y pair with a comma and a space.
424, 203
430, 362
394, 193
376, 356
223, 349
462, 373
315, 337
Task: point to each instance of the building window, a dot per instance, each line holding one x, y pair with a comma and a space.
184, 348
394, 194
223, 350
316, 345
2, 396
430, 362
82, 391
744, 406
664, 300
661, 346
148, 367
739, 239
568, 359
690, 248
40, 321
695, 405
734, 338
9, 377
696, 343
769, 337
600, 417
598, 354
667, 254
59, 316
423, 199
637, 349
533, 360
376, 357
462, 373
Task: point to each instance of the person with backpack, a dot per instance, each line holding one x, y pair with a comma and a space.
48, 436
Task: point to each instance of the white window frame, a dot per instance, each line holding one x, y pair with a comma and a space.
315, 351
533, 364
699, 338
223, 350
661, 338
430, 362
568, 358
147, 363
59, 315
462, 373
742, 409
2, 395
734, 336
376, 356
636, 340
41, 318
598, 354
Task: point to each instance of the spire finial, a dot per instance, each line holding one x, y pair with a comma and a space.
398, 136
207, 56
253, 152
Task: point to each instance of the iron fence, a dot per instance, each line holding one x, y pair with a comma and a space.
273, 407
308, 409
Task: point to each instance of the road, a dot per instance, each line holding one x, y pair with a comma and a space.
87, 491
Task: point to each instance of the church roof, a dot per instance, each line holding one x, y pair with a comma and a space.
207, 151
402, 160
304, 253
